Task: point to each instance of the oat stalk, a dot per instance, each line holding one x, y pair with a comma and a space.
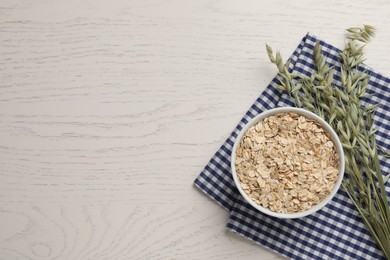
342, 107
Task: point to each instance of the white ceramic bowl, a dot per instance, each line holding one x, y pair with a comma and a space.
324, 125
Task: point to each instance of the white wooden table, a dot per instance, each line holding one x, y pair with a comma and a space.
110, 109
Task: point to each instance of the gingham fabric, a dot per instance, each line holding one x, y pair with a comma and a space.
334, 232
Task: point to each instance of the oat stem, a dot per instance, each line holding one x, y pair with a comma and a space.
342, 108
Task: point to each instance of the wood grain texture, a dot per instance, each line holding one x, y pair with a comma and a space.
110, 109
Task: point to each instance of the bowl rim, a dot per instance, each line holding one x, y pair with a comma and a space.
327, 128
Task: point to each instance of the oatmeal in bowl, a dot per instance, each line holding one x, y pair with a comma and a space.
287, 162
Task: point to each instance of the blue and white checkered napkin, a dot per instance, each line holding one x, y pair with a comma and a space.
334, 232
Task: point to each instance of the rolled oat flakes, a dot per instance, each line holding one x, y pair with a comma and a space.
287, 163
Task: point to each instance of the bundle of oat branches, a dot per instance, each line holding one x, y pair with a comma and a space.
341, 106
